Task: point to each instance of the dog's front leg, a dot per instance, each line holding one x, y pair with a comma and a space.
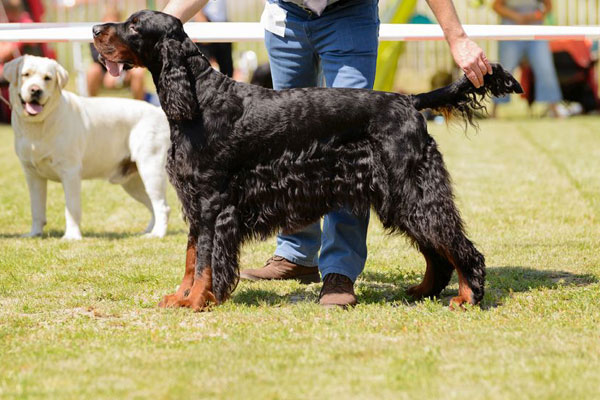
199, 273
200, 295
172, 300
71, 181
37, 196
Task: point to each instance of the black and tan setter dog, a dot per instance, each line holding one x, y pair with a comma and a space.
247, 161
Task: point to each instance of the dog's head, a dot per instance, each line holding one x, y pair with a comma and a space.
157, 41
137, 42
35, 84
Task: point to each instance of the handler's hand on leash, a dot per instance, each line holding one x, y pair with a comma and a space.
471, 59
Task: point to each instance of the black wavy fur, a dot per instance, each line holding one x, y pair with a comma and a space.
247, 161
461, 99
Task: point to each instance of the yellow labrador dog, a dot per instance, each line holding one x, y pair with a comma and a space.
64, 137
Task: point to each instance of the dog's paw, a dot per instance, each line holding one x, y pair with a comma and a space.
71, 236
417, 292
170, 300
459, 302
153, 234
198, 303
32, 234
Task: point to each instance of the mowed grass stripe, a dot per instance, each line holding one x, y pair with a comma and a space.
573, 158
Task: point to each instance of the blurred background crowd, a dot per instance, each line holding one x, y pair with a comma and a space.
559, 77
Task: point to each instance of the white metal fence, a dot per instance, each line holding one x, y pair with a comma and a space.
420, 58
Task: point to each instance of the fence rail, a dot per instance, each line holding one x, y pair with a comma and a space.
253, 31
419, 59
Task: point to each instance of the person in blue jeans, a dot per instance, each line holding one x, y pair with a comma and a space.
332, 43
537, 52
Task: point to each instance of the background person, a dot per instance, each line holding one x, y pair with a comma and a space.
13, 11
219, 53
537, 52
338, 39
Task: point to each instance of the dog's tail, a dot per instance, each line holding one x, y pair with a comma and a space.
461, 99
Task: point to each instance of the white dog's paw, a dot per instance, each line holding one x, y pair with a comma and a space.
71, 236
32, 234
153, 234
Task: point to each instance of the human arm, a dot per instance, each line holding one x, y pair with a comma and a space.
466, 53
184, 9
8, 51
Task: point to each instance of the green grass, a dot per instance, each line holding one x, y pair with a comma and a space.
79, 319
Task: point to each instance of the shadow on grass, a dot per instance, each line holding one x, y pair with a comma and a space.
504, 280
390, 287
250, 296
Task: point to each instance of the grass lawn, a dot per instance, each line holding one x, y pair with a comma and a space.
79, 319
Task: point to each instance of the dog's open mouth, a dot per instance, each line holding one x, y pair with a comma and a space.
32, 107
115, 68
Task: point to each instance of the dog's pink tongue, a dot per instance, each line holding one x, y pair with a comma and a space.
114, 68
33, 109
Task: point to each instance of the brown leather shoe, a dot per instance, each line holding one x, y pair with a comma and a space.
279, 268
337, 290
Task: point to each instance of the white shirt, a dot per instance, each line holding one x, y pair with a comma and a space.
315, 5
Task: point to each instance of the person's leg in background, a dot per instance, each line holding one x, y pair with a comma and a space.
222, 54
293, 64
510, 54
136, 83
94, 77
346, 40
547, 88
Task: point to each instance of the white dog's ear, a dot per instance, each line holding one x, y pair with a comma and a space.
62, 75
11, 69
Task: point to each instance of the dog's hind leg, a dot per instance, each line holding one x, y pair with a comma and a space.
428, 215
437, 223
154, 176
153, 199
134, 186
437, 275
171, 300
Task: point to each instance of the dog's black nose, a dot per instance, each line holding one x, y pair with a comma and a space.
96, 30
35, 91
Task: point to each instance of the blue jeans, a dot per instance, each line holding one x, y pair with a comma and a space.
340, 46
538, 53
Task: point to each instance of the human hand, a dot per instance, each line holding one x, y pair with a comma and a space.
520, 19
536, 16
471, 59
528, 18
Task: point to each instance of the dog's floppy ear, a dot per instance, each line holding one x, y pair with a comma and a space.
62, 76
177, 96
11, 69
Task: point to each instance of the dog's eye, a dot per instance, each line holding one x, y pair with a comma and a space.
25, 74
47, 78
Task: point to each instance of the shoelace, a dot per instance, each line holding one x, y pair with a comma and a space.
270, 260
